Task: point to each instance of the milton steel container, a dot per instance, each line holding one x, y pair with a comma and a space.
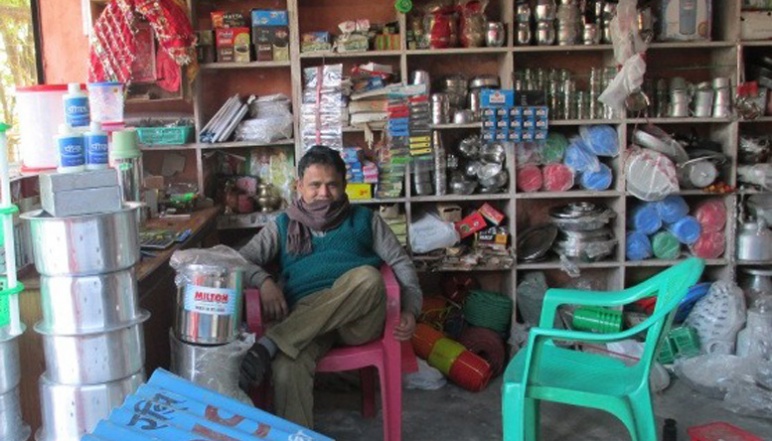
209, 303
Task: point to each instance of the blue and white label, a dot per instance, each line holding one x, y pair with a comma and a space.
76, 112
96, 149
71, 153
207, 300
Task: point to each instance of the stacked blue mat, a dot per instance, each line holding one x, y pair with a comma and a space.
174, 409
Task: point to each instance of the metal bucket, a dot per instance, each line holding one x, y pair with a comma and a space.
209, 303
76, 305
9, 365
94, 358
12, 427
84, 245
69, 411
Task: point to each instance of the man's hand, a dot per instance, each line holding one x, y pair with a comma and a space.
406, 326
272, 300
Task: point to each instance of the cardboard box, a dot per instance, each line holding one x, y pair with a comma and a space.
470, 224
685, 20
493, 238
75, 194
225, 40
269, 17
359, 191
756, 25
493, 215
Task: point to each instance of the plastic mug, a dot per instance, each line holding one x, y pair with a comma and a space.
597, 319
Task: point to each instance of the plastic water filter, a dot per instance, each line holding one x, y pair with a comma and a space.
13, 326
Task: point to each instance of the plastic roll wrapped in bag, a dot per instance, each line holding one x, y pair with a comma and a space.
602, 140
672, 208
599, 180
645, 218
650, 175
638, 246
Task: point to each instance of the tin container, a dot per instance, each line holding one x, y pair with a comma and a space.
84, 245
495, 34
440, 108
209, 303
74, 305
94, 358
10, 372
12, 427
70, 411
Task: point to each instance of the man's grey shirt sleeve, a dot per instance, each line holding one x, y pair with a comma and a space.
387, 246
261, 250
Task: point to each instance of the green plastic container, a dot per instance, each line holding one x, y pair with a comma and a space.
597, 319
444, 354
164, 135
685, 340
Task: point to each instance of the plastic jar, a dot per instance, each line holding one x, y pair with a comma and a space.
41, 111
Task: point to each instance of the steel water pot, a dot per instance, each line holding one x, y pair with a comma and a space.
754, 242
10, 373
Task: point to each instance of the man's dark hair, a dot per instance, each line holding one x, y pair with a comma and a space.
322, 155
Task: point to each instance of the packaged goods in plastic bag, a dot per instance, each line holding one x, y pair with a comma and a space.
558, 177
529, 178
650, 175
265, 130
320, 111
429, 232
215, 367
713, 374
579, 157
711, 214
554, 148
638, 246
531, 291
602, 140
665, 246
599, 180
718, 317
710, 245
687, 230
270, 106
672, 208
645, 218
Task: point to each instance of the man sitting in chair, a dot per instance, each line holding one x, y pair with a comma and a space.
331, 292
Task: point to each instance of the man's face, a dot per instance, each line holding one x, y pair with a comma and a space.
321, 183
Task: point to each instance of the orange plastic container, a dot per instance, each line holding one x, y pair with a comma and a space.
720, 431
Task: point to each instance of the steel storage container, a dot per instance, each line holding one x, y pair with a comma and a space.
9, 365
69, 411
209, 303
12, 427
85, 304
97, 357
84, 245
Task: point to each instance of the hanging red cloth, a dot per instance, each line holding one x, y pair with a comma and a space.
113, 47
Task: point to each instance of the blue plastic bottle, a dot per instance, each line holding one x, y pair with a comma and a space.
69, 146
76, 110
95, 143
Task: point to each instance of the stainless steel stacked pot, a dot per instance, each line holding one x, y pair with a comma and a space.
11, 425
92, 324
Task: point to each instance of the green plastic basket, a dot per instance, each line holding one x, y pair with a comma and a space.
685, 340
5, 300
666, 352
164, 135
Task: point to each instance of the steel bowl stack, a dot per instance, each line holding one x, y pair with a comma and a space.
92, 325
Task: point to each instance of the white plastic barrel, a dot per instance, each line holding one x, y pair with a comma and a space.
41, 110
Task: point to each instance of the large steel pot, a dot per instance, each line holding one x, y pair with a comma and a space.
84, 245
94, 358
209, 303
756, 283
754, 242
69, 411
9, 365
12, 427
76, 305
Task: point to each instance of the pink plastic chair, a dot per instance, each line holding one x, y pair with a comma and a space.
385, 355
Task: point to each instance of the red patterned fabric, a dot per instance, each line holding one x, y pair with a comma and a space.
113, 48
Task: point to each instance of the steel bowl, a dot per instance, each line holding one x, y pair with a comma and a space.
75, 305
462, 186
70, 411
494, 153
483, 81
10, 372
472, 168
84, 245
97, 357
12, 427
496, 180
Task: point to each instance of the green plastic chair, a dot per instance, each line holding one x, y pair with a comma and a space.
544, 371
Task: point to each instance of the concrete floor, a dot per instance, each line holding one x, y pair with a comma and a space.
452, 413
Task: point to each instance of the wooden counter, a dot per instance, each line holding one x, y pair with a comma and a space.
156, 294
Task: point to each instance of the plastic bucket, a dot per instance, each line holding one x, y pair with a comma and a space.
106, 101
41, 110
603, 320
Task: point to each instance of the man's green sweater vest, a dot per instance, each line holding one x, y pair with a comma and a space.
346, 247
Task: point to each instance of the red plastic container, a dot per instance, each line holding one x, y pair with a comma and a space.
424, 339
720, 431
558, 177
529, 178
